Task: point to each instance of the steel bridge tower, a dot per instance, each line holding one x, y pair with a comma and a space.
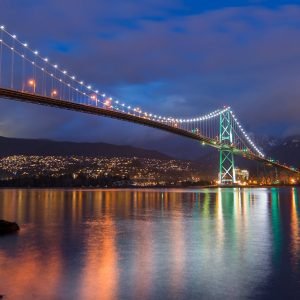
227, 168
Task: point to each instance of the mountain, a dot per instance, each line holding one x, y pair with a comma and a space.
16, 146
286, 150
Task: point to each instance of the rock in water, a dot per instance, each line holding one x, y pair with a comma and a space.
8, 227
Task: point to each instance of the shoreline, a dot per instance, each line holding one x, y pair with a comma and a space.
153, 187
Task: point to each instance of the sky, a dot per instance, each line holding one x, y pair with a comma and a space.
173, 57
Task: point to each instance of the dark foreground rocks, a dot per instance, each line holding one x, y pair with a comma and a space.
8, 227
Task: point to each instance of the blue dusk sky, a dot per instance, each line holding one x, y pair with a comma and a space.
171, 57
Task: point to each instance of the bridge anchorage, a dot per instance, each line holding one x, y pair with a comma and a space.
26, 75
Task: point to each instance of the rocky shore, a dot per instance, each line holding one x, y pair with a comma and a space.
7, 227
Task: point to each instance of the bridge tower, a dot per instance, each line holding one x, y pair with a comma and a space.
226, 168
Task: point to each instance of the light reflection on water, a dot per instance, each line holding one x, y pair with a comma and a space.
151, 244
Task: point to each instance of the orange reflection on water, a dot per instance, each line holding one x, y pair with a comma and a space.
295, 231
177, 251
143, 260
30, 275
99, 278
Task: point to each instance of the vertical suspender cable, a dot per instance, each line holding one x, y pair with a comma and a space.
1, 51
12, 64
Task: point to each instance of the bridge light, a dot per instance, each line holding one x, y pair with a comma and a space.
54, 93
107, 103
65, 72
25, 45
55, 66
46, 59
2, 27
14, 36
89, 87
31, 82
73, 77
81, 82
36, 52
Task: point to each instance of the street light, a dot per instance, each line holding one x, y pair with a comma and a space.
107, 103
32, 83
94, 98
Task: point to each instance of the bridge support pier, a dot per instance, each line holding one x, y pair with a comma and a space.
226, 168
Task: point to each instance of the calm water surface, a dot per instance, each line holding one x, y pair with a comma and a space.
151, 244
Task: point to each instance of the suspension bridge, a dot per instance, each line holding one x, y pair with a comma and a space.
26, 75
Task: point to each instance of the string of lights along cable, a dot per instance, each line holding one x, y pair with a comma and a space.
26, 74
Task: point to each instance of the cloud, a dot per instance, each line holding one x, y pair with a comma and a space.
168, 62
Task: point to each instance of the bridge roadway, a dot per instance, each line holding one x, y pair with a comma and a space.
90, 109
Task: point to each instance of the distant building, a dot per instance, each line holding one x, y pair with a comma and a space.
241, 175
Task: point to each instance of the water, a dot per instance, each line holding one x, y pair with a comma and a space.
151, 244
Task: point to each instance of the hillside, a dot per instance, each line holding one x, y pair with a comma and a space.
15, 146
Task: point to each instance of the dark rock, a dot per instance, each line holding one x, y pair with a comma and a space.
8, 227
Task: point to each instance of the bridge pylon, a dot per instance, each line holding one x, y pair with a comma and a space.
226, 167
